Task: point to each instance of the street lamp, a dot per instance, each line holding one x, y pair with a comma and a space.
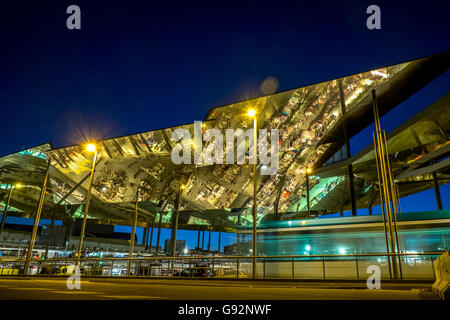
5, 211
252, 113
91, 148
308, 171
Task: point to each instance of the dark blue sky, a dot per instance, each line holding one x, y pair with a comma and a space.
142, 65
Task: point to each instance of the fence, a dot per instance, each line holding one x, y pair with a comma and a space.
417, 266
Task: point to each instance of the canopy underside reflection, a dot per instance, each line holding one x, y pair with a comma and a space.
219, 196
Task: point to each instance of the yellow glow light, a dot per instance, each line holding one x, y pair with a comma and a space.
18, 185
90, 147
182, 187
309, 170
251, 112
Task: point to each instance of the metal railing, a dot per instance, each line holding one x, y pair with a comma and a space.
417, 266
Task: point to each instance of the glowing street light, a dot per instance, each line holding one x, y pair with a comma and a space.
251, 113
91, 148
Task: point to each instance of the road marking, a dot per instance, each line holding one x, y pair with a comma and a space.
132, 297
77, 292
59, 280
43, 289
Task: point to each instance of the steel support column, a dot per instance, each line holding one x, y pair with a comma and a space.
347, 144
238, 234
149, 242
175, 226
50, 238
5, 211
145, 236
36, 219
203, 240
86, 209
198, 242
387, 184
159, 234
352, 183
437, 192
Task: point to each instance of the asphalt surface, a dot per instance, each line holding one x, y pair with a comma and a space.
153, 289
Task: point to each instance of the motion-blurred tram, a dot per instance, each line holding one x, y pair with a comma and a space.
418, 232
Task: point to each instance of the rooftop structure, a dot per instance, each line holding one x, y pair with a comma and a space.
314, 122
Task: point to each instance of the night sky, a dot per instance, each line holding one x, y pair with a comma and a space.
142, 65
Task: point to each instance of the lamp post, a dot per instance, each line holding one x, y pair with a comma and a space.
252, 113
5, 212
308, 171
91, 148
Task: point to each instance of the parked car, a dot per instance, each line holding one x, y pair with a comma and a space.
197, 272
68, 270
48, 269
9, 271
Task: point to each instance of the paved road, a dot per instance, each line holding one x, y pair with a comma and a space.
107, 289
